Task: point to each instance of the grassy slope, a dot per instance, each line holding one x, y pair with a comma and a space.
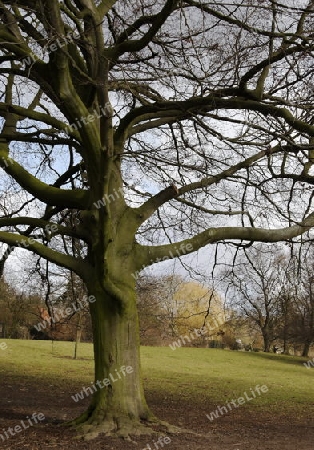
200, 375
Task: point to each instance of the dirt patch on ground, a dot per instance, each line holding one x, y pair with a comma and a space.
238, 430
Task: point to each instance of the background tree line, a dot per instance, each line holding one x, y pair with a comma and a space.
168, 306
273, 289
266, 299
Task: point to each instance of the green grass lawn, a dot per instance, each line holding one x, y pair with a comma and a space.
204, 375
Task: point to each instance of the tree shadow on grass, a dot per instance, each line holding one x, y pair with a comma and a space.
81, 358
285, 359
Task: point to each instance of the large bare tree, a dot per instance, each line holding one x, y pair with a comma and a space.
162, 127
257, 283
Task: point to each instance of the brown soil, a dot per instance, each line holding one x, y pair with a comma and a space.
238, 430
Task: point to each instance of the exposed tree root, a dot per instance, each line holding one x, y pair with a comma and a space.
90, 425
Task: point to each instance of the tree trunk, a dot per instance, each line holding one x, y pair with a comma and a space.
306, 349
266, 343
285, 334
78, 334
118, 405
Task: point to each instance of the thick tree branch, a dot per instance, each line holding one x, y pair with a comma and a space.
105, 6
29, 113
137, 45
209, 181
213, 235
48, 194
215, 212
78, 266
275, 57
180, 110
151, 205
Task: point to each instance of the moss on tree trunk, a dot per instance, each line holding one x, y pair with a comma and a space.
118, 405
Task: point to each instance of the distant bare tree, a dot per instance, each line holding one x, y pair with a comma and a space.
256, 283
301, 324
